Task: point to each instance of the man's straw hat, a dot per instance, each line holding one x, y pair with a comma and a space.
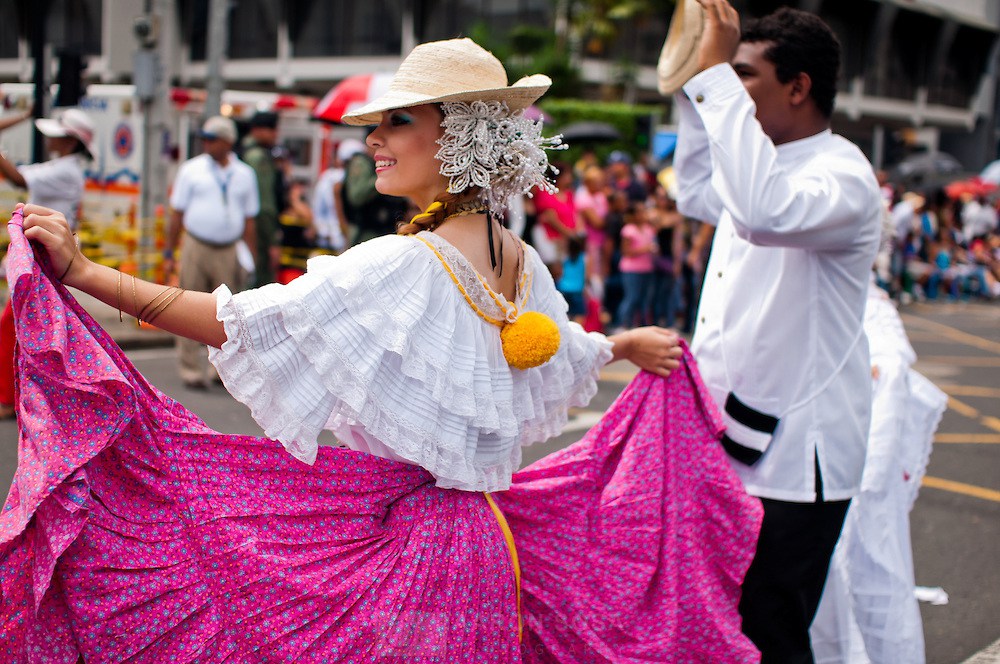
679, 57
451, 70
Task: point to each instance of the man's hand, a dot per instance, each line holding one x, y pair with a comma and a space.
721, 37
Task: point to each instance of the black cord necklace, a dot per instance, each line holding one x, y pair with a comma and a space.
493, 253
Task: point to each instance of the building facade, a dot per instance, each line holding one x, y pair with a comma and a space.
916, 73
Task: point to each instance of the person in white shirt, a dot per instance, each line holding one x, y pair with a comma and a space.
57, 184
979, 219
779, 337
328, 212
906, 220
214, 200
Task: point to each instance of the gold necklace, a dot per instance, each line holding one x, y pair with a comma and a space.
465, 209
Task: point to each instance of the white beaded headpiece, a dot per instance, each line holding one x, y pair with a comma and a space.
486, 145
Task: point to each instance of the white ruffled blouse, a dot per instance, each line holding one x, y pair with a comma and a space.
379, 346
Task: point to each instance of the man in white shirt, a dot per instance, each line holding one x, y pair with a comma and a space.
779, 337
57, 184
214, 199
327, 207
979, 219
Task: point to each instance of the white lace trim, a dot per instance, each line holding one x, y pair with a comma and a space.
475, 286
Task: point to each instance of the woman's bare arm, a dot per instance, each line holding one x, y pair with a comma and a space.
190, 314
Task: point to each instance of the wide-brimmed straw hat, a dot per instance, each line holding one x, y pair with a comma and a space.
679, 57
451, 70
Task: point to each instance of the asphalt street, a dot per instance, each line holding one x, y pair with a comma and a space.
955, 522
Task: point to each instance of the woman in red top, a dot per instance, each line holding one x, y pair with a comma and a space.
557, 218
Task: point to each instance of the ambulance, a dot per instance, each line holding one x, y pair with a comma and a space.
112, 229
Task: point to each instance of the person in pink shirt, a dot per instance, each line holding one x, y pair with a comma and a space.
592, 205
636, 265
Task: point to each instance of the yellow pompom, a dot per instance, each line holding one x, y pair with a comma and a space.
529, 341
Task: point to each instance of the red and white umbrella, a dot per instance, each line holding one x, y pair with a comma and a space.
351, 93
972, 187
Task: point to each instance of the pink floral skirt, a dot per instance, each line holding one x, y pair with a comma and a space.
134, 533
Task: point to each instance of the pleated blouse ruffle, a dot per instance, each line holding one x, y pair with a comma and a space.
380, 347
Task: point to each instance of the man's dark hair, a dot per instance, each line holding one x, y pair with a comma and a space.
266, 119
800, 42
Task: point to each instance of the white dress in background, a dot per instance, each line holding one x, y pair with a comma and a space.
869, 613
325, 218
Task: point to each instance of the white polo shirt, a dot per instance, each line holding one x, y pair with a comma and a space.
780, 320
216, 201
57, 184
324, 208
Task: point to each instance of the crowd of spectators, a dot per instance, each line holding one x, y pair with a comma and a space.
945, 244
621, 253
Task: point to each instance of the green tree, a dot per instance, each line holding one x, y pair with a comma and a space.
529, 49
596, 24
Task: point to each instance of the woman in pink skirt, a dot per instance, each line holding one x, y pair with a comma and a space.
133, 533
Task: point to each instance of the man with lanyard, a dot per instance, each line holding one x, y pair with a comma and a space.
258, 153
779, 338
56, 183
214, 199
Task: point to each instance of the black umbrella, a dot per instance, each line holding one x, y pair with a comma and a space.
589, 132
926, 169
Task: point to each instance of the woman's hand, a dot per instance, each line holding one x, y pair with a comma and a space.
654, 349
51, 230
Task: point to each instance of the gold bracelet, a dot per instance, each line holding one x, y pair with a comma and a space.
155, 302
66, 271
152, 303
135, 303
120, 319
160, 308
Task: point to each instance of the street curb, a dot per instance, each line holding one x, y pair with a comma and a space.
160, 340
989, 655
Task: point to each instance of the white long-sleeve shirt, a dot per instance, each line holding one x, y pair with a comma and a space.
779, 324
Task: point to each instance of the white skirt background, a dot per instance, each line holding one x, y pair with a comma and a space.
869, 613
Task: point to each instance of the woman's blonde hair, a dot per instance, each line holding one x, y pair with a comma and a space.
433, 216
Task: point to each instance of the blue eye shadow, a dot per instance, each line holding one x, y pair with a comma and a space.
400, 118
